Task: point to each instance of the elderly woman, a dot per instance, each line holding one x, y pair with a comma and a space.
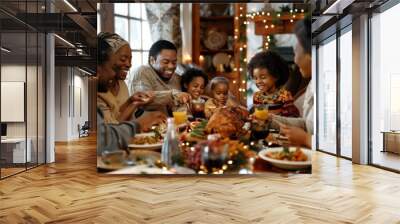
116, 103
299, 130
113, 137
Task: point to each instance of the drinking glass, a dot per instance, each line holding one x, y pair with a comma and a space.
180, 115
261, 112
140, 86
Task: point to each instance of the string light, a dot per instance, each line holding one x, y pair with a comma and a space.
237, 18
240, 69
262, 13
234, 81
241, 15
243, 82
268, 14
302, 11
291, 11
272, 26
241, 49
244, 46
236, 37
264, 21
291, 20
241, 8
245, 60
295, 10
266, 26
294, 16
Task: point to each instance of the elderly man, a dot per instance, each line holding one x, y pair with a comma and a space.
159, 76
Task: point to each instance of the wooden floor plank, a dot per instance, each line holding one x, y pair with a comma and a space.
71, 191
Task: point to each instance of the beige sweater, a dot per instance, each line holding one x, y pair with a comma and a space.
164, 91
110, 104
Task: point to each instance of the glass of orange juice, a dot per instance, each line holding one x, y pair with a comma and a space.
261, 112
180, 117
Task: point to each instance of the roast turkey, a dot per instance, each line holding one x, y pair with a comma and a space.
227, 121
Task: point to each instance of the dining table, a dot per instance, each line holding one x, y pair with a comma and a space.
152, 154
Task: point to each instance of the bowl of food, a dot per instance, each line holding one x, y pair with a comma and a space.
290, 158
149, 141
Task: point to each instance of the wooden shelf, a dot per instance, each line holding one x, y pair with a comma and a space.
226, 24
208, 52
229, 75
218, 18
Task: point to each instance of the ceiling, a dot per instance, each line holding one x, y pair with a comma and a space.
328, 16
21, 20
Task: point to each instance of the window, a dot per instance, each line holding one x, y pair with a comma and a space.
346, 94
132, 25
326, 107
385, 88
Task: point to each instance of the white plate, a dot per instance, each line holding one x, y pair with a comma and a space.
145, 146
221, 58
140, 156
284, 164
141, 169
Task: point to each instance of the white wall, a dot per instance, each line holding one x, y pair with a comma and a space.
33, 127
71, 96
16, 73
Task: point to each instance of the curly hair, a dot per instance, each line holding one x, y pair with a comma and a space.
273, 62
189, 75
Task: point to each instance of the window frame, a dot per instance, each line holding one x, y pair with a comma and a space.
334, 36
379, 10
131, 18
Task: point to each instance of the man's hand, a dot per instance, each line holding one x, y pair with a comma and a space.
148, 119
296, 136
183, 97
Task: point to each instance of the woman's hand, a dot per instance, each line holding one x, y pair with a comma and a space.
296, 136
148, 119
142, 98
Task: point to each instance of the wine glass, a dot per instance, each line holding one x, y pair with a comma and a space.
259, 131
213, 157
198, 107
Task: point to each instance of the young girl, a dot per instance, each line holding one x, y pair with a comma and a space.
270, 73
194, 81
219, 91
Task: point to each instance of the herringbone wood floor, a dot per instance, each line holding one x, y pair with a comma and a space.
71, 191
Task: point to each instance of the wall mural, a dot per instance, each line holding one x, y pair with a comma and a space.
164, 20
